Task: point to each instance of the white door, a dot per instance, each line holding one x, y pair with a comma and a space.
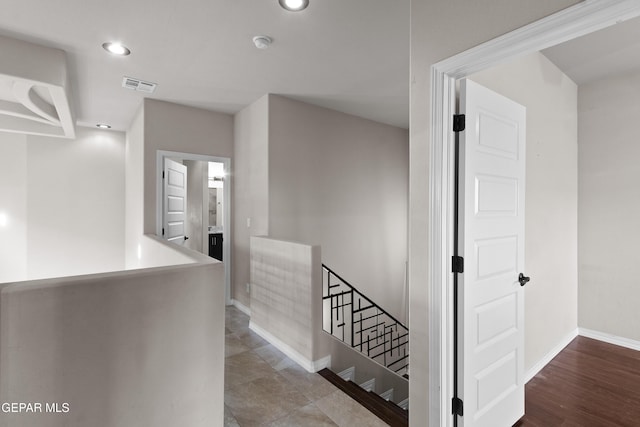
175, 202
491, 238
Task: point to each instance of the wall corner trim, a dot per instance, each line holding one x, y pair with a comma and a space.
240, 306
533, 371
309, 365
609, 338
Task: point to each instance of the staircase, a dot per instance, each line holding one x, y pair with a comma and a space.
381, 405
368, 333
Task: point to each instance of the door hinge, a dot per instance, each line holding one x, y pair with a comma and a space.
458, 122
163, 231
162, 174
456, 406
457, 264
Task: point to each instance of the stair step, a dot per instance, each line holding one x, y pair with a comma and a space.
348, 374
369, 385
404, 404
387, 395
387, 411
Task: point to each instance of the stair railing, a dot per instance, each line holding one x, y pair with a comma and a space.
360, 323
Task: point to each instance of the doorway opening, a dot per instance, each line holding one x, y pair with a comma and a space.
206, 206
215, 210
573, 22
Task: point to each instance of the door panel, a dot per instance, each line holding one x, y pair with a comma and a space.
175, 202
491, 238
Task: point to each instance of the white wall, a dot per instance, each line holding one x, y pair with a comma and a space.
134, 193
609, 206
13, 207
143, 348
317, 176
439, 30
551, 213
71, 196
164, 126
75, 204
250, 199
341, 182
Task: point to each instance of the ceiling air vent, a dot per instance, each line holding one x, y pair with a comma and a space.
139, 85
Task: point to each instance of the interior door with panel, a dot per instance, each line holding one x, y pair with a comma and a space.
174, 214
491, 241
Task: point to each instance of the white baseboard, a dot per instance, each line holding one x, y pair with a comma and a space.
611, 339
308, 365
243, 308
533, 371
322, 363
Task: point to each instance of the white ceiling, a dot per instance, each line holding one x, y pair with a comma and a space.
612, 51
349, 55
352, 56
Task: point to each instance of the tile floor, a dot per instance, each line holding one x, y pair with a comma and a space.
263, 387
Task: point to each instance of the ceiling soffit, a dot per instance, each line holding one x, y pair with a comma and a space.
34, 90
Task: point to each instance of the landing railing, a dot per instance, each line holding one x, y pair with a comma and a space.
360, 323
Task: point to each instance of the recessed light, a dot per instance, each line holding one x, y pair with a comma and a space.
103, 126
116, 48
294, 5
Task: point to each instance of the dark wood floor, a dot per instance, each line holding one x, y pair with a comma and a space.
590, 383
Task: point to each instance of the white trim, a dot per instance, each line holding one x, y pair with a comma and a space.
240, 306
226, 244
609, 338
533, 371
309, 365
440, 251
578, 20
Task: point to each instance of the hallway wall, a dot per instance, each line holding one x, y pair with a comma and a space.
160, 125
250, 197
342, 182
67, 197
134, 189
320, 177
175, 127
609, 206
13, 208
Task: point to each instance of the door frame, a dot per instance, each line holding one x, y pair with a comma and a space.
575, 21
226, 220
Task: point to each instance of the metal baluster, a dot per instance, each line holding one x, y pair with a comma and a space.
378, 323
